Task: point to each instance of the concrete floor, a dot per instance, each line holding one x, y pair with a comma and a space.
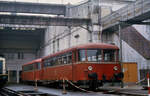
54, 91
134, 91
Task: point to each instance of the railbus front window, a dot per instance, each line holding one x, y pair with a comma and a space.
109, 55
94, 55
81, 56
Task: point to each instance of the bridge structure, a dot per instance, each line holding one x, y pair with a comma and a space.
134, 13
39, 9
43, 21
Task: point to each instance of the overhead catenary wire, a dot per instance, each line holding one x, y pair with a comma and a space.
60, 36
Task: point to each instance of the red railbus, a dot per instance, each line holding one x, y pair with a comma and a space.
90, 64
31, 71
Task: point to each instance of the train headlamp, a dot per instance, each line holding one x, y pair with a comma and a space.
90, 68
115, 68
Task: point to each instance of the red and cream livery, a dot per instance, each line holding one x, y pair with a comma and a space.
90, 64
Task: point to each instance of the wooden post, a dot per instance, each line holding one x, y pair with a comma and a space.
36, 88
8, 75
148, 84
64, 89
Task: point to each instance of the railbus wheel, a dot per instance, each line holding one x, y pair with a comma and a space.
93, 84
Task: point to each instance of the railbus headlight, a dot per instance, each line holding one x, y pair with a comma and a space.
115, 68
90, 68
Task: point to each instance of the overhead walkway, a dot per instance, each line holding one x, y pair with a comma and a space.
43, 21
134, 13
37, 8
37, 14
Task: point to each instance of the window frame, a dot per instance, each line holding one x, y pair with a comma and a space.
79, 58
100, 50
116, 55
28, 67
58, 59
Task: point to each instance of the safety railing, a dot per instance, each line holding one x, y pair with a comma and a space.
137, 11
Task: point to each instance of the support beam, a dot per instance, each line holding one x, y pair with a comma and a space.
136, 22
120, 53
38, 8
43, 21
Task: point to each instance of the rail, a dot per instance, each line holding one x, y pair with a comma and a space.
8, 92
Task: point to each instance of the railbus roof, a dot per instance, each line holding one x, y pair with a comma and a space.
85, 46
33, 61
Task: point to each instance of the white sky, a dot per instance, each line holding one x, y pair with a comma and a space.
49, 1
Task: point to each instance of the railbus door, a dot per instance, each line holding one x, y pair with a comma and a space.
74, 55
37, 71
130, 72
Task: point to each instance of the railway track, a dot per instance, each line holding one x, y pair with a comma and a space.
25, 90
8, 92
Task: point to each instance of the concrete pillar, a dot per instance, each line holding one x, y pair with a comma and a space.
69, 37
148, 31
68, 10
8, 75
89, 36
18, 75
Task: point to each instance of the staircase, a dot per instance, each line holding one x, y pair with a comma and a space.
133, 38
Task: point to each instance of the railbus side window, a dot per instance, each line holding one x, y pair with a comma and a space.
49, 62
31, 67
56, 61
25, 68
69, 57
44, 63
81, 55
28, 67
52, 61
64, 59
38, 64
60, 60
109, 55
